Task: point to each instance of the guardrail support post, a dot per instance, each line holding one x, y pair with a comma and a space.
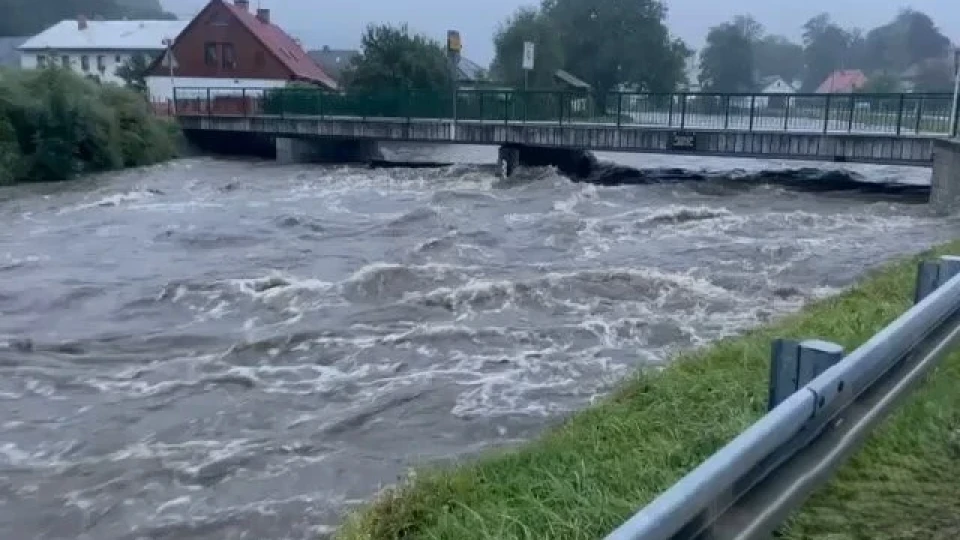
933, 274
796, 363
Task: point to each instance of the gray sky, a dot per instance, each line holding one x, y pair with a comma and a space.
339, 23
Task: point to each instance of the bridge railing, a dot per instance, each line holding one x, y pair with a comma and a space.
895, 114
822, 407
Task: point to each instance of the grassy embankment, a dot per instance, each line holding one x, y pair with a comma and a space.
583, 478
56, 125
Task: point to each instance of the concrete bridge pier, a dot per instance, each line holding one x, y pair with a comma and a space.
573, 162
295, 150
945, 181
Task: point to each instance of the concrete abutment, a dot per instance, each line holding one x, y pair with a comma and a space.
945, 180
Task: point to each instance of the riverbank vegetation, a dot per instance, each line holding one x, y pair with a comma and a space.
583, 478
55, 125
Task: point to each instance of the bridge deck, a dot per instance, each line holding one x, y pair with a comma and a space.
864, 128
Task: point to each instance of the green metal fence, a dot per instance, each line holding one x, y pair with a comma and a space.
928, 114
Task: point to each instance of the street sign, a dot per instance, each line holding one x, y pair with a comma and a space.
169, 60
683, 141
453, 42
528, 55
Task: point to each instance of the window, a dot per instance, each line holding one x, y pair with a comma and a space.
42, 60
65, 61
85, 63
229, 56
101, 63
217, 19
210, 54
259, 59
118, 59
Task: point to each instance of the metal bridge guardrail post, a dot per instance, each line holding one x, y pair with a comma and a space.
619, 109
670, 110
853, 103
826, 115
786, 113
796, 363
726, 111
683, 111
506, 110
916, 128
753, 105
900, 113
209, 104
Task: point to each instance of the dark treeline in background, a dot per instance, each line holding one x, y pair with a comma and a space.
909, 50
29, 17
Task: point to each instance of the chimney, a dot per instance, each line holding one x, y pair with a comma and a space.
81, 22
242, 4
264, 15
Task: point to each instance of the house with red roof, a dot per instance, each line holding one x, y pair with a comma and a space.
228, 46
843, 81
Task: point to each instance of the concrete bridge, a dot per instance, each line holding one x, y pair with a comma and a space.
559, 128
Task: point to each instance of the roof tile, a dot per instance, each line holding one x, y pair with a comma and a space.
284, 47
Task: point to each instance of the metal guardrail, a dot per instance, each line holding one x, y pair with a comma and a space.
894, 114
823, 406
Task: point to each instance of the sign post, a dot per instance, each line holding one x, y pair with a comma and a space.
528, 60
171, 62
454, 47
956, 92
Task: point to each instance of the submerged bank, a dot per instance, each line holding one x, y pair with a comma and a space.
56, 125
583, 478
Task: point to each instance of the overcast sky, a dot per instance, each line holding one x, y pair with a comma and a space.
339, 23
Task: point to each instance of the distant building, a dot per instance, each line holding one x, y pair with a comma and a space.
773, 85
9, 53
334, 61
843, 82
96, 48
776, 85
226, 46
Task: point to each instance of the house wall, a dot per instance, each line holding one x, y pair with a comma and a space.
160, 88
217, 25
111, 60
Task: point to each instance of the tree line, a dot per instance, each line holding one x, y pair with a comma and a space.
739, 54
625, 44
30, 17
607, 43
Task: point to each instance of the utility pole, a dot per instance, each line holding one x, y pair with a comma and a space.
453, 52
956, 92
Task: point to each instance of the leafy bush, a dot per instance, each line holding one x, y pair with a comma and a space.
55, 125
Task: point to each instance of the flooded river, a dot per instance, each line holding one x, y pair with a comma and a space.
224, 349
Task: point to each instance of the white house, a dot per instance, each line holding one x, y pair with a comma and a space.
773, 85
97, 48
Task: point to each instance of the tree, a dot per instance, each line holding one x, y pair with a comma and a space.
882, 83
934, 76
392, 59
727, 61
778, 56
609, 42
527, 24
826, 49
134, 70
909, 39
604, 42
29, 17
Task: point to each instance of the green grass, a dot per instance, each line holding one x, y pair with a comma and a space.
582, 479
